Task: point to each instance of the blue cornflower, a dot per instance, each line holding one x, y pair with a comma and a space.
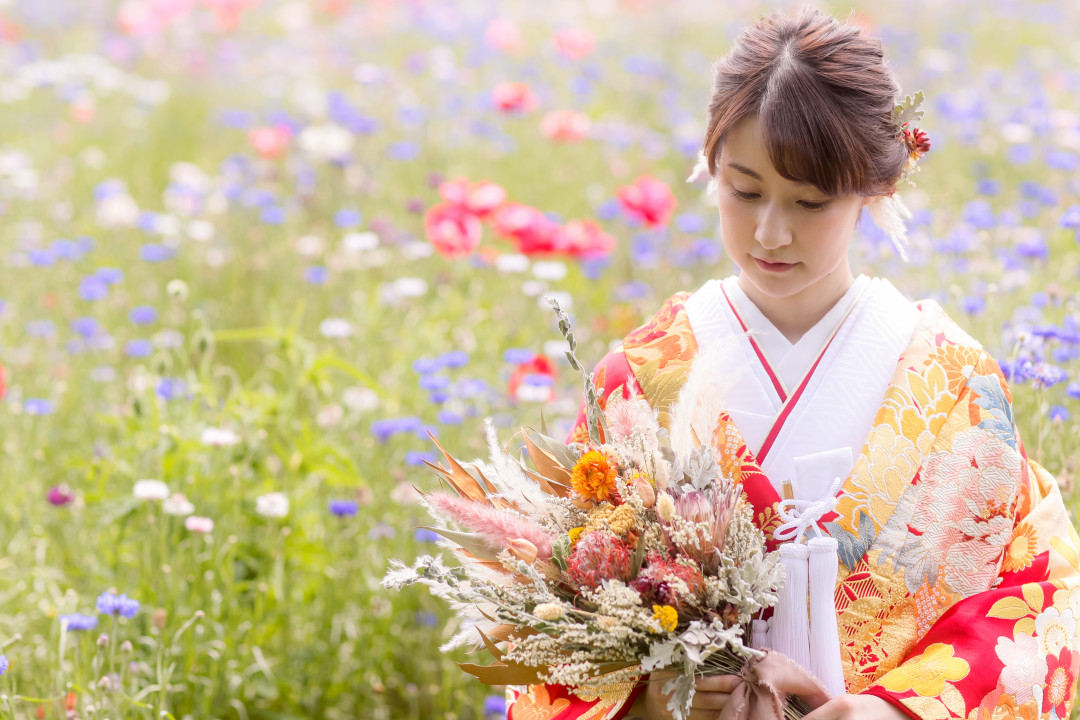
438, 397
109, 275
471, 387
1045, 375
1073, 390
403, 150
316, 275
973, 304
415, 457
449, 417
691, 223
494, 707
44, 257
1058, 413
427, 619
85, 326
979, 213
112, 604
1071, 218
38, 406
143, 315
4, 664
454, 359
138, 348
272, 215
170, 388
93, 288
434, 382
383, 430
537, 379
633, 290
516, 356
154, 253
346, 218
344, 508
109, 188
78, 621
988, 186
427, 365
424, 535
608, 210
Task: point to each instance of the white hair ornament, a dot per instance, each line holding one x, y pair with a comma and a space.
891, 215
702, 169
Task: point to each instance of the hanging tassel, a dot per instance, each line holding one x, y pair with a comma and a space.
824, 635
891, 215
788, 632
759, 634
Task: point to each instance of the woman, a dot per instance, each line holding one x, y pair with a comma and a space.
957, 590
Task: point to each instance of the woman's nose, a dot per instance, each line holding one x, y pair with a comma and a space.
772, 230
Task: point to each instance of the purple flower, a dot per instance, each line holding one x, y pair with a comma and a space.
272, 215
415, 457
438, 397
138, 348
494, 707
93, 288
143, 315
112, 604
385, 429
344, 508
403, 150
316, 275
346, 218
78, 621
517, 356
454, 359
4, 664
423, 535
38, 406
973, 304
109, 276
170, 388
1058, 413
60, 495
1073, 390
434, 382
449, 417
427, 619
153, 253
1045, 375
988, 186
85, 326
691, 223
1071, 218
427, 365
44, 257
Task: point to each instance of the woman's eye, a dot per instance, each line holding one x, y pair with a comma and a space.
814, 205
744, 195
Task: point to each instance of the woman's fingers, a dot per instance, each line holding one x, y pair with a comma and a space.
717, 683
710, 701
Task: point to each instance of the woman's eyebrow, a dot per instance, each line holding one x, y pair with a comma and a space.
744, 170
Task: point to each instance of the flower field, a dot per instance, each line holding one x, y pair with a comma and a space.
255, 251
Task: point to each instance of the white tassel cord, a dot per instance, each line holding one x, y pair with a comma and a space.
824, 635
891, 215
788, 632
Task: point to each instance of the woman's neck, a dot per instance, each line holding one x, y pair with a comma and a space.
794, 315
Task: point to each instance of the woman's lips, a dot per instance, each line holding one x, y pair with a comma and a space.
776, 267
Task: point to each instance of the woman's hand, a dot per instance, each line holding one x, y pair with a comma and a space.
711, 694
857, 707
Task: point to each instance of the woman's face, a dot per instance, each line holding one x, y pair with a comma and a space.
789, 239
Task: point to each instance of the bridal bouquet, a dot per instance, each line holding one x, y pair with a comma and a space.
598, 563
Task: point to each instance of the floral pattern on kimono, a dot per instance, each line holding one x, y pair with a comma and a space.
958, 593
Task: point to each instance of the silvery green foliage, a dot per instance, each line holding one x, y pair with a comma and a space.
680, 691
594, 416
907, 111
700, 469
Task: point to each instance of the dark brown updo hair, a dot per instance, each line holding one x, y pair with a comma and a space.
823, 97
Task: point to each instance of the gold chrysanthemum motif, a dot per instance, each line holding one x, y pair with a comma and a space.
593, 476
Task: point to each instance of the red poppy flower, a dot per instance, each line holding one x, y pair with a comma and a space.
648, 200
270, 142
3, 382
539, 365
514, 97
480, 199
533, 231
452, 230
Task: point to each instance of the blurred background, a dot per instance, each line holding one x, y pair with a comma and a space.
238, 292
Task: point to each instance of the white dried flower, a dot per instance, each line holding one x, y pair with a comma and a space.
665, 507
549, 611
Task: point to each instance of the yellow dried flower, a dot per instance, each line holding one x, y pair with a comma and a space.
575, 534
667, 616
622, 520
593, 476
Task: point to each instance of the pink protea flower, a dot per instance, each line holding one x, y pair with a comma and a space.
565, 125
714, 508
514, 97
270, 142
575, 43
452, 230
655, 582
533, 231
599, 556
480, 199
584, 239
648, 201
504, 35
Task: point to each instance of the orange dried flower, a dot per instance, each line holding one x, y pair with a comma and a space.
593, 476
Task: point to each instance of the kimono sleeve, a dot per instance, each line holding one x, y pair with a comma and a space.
1009, 649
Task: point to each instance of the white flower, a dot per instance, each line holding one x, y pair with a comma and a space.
336, 328
194, 523
327, 141
273, 505
117, 211
218, 437
665, 506
358, 242
1025, 665
151, 490
360, 399
1055, 630
549, 611
177, 504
